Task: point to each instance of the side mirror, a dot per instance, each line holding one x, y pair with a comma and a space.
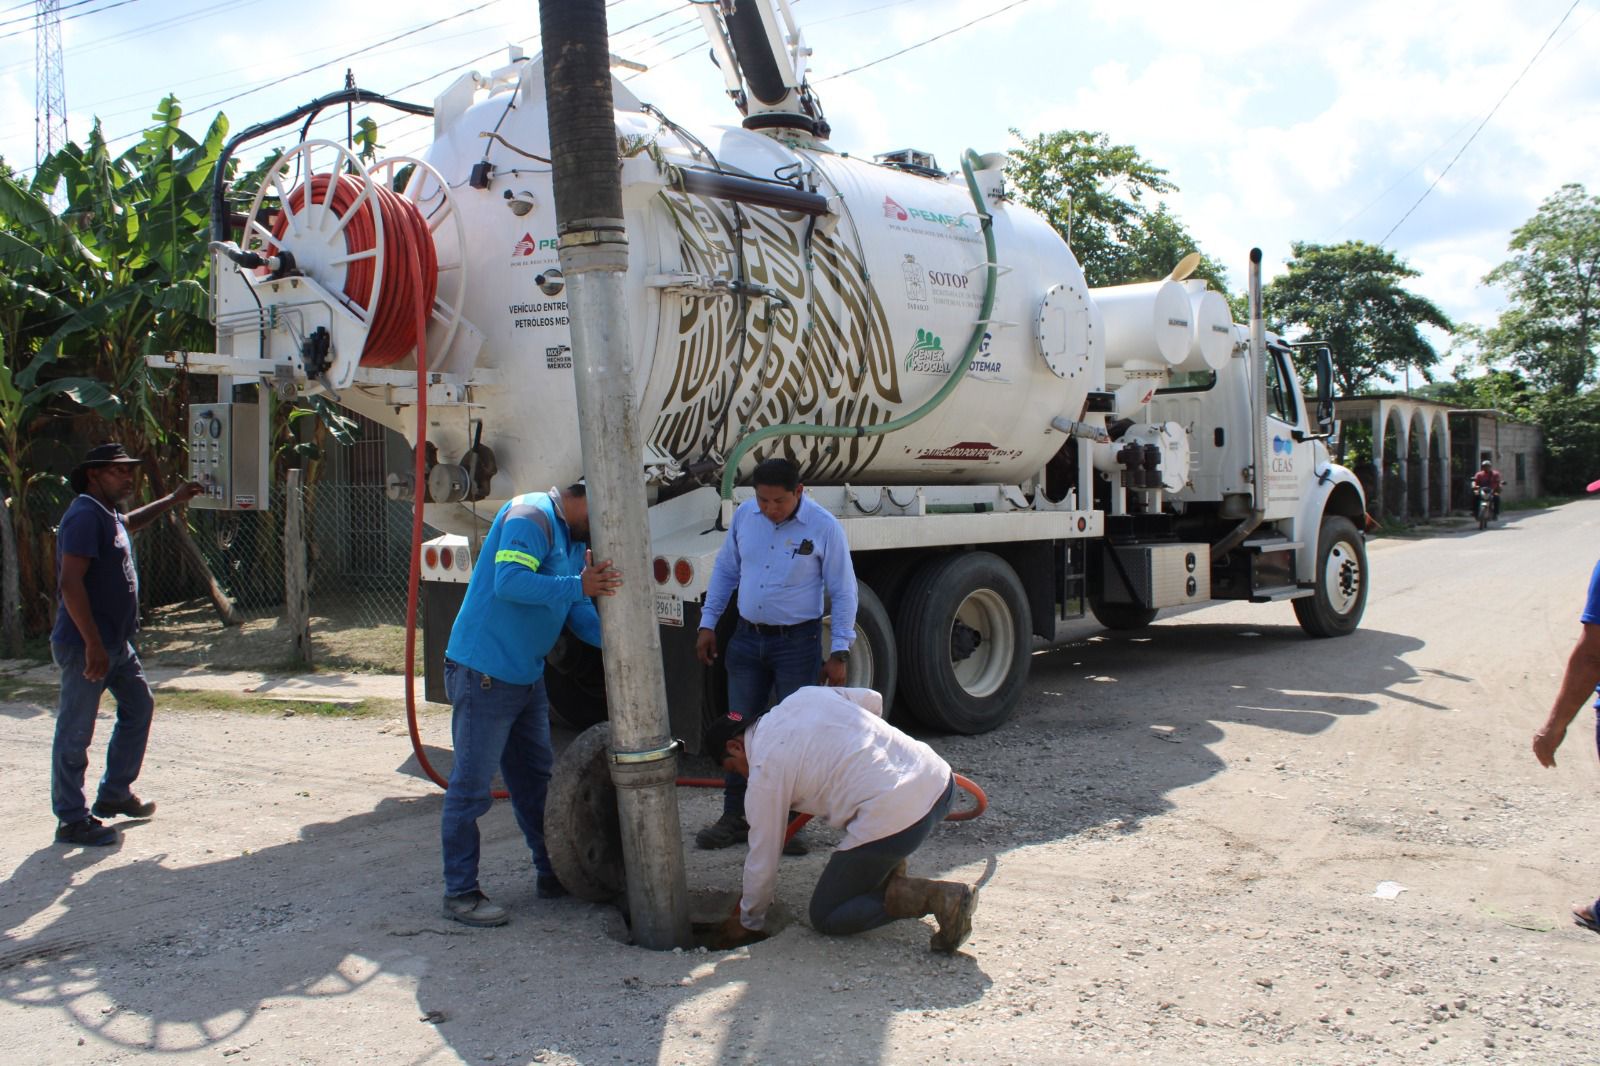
1324, 390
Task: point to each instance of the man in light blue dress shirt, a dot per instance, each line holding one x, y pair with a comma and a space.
783, 551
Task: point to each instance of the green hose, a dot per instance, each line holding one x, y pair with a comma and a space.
803, 429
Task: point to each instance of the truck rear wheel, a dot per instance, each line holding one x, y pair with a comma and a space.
1334, 609
582, 829
964, 633
575, 682
873, 657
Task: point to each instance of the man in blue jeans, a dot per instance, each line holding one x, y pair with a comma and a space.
1579, 684
828, 752
534, 576
783, 552
92, 643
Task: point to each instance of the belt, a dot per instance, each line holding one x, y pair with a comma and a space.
776, 631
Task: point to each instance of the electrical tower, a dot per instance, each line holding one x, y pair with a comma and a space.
50, 81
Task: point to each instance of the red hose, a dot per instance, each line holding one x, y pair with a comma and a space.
410, 261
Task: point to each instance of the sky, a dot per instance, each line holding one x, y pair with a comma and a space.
1281, 121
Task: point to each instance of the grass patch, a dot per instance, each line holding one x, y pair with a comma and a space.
189, 700
1536, 503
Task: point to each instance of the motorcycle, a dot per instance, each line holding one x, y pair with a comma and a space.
1484, 506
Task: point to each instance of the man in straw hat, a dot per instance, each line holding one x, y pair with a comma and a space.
92, 644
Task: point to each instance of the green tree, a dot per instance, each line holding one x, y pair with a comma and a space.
1350, 295
1094, 193
88, 292
1553, 281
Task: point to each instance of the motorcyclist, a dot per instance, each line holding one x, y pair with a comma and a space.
1488, 477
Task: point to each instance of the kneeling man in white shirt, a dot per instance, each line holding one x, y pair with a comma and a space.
828, 752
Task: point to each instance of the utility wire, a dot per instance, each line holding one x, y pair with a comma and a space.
930, 40
68, 18
34, 16
1468, 143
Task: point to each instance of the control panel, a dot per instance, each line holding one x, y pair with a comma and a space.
227, 457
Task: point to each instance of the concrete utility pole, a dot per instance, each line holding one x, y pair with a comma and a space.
594, 257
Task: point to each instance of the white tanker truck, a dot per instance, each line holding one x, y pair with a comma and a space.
1006, 447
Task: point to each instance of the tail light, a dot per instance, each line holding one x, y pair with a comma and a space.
663, 570
683, 571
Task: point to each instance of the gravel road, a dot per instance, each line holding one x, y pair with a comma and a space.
1181, 861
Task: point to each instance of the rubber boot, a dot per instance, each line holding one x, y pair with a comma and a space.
950, 902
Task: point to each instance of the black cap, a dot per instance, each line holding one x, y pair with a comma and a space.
723, 729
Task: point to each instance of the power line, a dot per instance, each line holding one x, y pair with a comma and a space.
930, 40
1468, 143
69, 18
30, 18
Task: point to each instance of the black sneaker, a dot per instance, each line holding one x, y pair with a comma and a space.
128, 808
89, 833
549, 886
725, 832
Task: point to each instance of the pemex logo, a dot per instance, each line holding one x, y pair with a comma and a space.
894, 210
526, 246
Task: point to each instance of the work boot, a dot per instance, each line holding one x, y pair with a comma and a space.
950, 902
86, 833
725, 832
474, 908
130, 807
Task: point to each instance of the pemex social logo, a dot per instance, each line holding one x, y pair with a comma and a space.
927, 355
526, 246
894, 210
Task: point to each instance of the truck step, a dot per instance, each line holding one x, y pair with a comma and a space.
1271, 544
1284, 592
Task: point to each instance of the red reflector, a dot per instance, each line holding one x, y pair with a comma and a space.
430, 558
663, 570
447, 558
683, 571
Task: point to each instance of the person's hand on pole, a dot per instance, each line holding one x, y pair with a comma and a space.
602, 579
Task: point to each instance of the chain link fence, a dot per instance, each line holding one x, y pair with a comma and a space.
358, 544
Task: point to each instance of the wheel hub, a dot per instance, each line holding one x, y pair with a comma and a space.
964, 640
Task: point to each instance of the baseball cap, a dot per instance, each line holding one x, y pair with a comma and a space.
723, 729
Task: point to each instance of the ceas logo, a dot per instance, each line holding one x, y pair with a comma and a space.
894, 210
526, 246
1282, 455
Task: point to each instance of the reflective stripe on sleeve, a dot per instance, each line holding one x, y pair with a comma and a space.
506, 555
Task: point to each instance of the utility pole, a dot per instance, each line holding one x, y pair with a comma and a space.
594, 257
50, 81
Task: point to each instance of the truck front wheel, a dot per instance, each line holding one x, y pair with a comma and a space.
1334, 609
964, 634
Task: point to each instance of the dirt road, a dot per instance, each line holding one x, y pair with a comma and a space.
1187, 830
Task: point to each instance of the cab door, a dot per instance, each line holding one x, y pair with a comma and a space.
1290, 454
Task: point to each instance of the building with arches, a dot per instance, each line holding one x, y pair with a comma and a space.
1415, 457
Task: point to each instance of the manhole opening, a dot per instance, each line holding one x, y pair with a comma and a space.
707, 909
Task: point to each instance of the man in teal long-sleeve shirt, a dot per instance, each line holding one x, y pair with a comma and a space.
534, 576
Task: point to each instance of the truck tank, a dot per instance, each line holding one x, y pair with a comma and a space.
748, 315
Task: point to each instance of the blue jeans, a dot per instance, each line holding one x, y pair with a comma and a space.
849, 894
494, 724
75, 715
761, 665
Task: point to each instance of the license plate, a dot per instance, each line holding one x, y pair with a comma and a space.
669, 609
